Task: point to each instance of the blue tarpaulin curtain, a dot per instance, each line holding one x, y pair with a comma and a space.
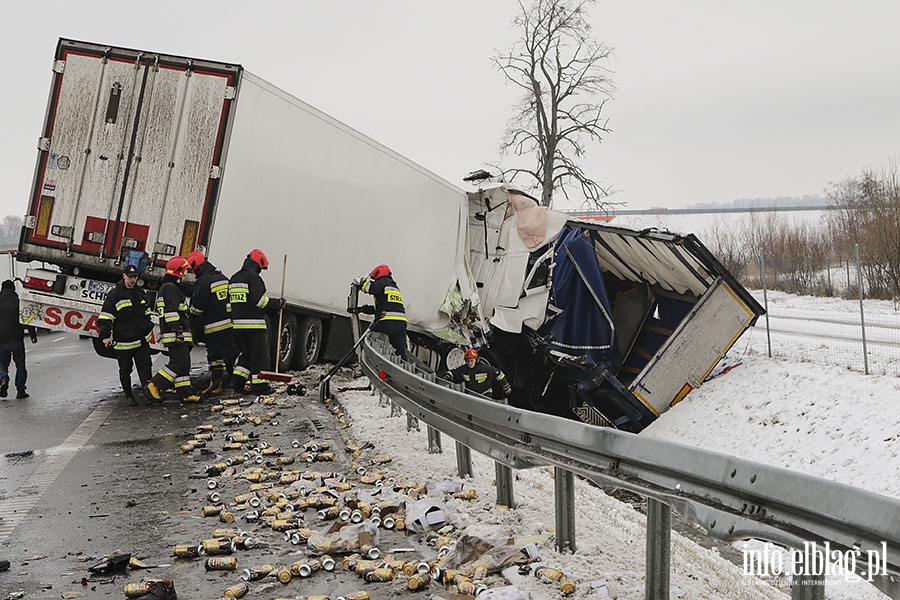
584, 326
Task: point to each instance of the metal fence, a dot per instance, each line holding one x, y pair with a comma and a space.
846, 329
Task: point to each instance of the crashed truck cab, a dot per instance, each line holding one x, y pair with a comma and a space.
604, 324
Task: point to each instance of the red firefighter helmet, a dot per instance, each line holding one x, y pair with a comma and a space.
471, 353
379, 272
177, 266
259, 257
195, 259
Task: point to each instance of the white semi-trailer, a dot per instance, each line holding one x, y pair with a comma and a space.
158, 154
144, 156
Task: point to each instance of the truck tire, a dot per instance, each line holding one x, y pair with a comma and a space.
289, 338
310, 341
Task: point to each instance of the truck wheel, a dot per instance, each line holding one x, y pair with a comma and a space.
288, 340
309, 342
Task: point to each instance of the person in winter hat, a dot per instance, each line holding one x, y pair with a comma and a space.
12, 344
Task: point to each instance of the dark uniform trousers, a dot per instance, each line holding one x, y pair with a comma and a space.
253, 345
396, 333
139, 357
177, 371
221, 353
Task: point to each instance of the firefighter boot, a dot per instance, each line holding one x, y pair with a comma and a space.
153, 394
238, 384
216, 384
259, 389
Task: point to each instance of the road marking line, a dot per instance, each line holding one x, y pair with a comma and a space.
14, 510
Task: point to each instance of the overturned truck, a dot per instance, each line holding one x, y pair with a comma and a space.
608, 325
145, 155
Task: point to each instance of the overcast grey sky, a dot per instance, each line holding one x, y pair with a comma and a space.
715, 100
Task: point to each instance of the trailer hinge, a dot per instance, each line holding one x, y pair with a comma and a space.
63, 231
97, 237
164, 249
215, 172
44, 144
59, 66
230, 92
29, 222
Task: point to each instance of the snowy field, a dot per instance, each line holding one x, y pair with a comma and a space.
828, 331
822, 420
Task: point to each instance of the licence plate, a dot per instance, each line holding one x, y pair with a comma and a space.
99, 286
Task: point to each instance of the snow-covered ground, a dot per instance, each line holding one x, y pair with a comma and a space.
822, 420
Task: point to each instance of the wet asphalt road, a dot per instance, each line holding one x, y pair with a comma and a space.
105, 477
66, 381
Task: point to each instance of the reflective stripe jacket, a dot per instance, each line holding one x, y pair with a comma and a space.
388, 299
125, 315
172, 308
210, 299
247, 293
480, 378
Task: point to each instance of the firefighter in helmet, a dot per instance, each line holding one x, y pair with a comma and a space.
175, 334
249, 306
390, 315
480, 377
209, 304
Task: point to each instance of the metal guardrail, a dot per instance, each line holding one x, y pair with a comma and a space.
729, 497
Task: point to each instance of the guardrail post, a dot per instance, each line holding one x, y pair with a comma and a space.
659, 550
434, 440
463, 460
504, 485
564, 497
412, 422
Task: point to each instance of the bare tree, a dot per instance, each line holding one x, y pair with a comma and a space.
561, 70
869, 210
10, 228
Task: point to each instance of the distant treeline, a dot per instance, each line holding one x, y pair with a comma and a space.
806, 200
799, 257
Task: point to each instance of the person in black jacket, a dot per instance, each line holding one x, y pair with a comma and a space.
480, 377
390, 314
210, 304
249, 306
175, 334
12, 344
125, 326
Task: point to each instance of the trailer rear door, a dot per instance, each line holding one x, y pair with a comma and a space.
129, 156
696, 346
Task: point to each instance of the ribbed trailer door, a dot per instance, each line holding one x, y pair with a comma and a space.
694, 349
129, 137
